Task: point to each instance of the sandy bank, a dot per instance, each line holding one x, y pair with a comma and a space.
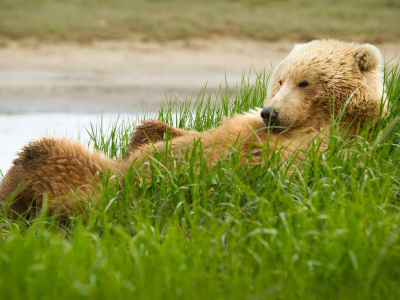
123, 76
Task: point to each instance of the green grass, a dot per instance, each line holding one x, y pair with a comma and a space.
303, 20
326, 227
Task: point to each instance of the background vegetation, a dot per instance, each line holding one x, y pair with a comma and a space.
323, 228
326, 227
86, 20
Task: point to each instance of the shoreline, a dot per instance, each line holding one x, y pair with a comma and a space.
124, 76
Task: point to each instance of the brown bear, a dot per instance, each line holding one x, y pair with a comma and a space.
307, 89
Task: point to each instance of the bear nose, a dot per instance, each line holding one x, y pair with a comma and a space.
269, 115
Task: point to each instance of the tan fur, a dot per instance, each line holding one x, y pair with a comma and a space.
54, 169
247, 130
153, 131
334, 70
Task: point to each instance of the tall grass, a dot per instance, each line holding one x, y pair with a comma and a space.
325, 227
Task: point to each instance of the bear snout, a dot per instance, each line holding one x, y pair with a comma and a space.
269, 115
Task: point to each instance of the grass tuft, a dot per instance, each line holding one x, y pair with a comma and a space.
326, 227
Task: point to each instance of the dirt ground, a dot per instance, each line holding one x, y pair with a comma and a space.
124, 76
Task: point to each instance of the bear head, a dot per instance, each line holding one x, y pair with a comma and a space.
319, 79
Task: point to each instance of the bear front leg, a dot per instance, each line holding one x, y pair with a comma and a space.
153, 131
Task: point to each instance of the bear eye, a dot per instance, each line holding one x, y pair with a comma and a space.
280, 82
303, 84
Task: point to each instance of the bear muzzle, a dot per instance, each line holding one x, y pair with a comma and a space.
269, 116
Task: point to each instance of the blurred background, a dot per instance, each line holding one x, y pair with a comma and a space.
66, 63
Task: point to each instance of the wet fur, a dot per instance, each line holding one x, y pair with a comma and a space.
153, 131
52, 169
65, 172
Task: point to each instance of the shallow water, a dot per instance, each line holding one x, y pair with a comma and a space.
16, 130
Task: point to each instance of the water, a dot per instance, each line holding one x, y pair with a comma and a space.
16, 130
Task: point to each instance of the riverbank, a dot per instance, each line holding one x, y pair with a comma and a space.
126, 76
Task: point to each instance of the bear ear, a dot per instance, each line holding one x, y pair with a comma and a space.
297, 47
368, 57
